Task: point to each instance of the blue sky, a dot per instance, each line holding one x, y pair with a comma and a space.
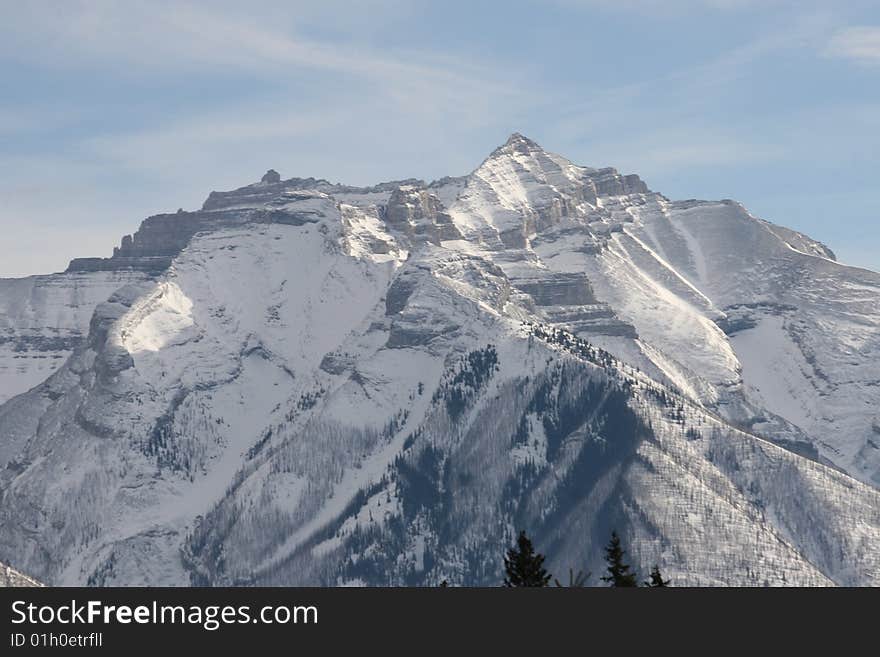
111, 111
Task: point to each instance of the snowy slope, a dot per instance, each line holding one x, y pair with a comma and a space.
805, 329
306, 383
715, 299
43, 319
11, 577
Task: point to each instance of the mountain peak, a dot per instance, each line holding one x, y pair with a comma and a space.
517, 143
518, 138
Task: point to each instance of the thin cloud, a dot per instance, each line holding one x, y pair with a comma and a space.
343, 78
861, 43
681, 97
676, 150
182, 38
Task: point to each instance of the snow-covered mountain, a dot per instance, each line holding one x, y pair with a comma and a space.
306, 382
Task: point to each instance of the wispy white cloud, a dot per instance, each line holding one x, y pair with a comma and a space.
219, 39
860, 43
318, 84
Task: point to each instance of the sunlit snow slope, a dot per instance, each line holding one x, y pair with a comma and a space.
43, 319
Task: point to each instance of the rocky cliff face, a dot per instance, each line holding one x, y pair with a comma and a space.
419, 215
305, 382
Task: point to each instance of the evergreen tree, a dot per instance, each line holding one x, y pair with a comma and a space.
656, 580
618, 572
523, 566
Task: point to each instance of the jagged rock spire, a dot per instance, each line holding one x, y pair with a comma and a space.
271, 176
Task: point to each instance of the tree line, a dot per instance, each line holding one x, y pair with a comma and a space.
523, 566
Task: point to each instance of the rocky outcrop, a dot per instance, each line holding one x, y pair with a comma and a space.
162, 237
608, 182
151, 248
271, 177
569, 300
558, 289
256, 195
399, 293
419, 215
591, 319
